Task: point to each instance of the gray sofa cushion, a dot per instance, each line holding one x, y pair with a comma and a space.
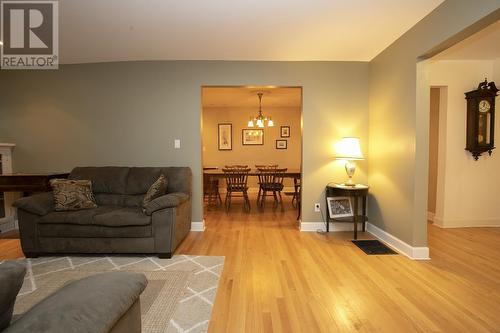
126, 200
104, 179
165, 201
94, 231
83, 217
140, 179
93, 304
11, 279
39, 204
122, 217
179, 179
137, 180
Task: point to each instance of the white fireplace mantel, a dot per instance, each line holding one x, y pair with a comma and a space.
8, 222
6, 153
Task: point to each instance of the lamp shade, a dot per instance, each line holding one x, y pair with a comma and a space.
348, 149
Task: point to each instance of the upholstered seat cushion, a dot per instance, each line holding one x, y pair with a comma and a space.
94, 231
122, 217
11, 279
92, 304
110, 216
76, 217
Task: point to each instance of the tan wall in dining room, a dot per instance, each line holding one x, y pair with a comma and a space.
251, 155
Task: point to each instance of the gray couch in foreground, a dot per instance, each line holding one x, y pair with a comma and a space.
118, 224
107, 302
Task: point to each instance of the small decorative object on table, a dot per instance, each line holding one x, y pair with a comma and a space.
348, 149
281, 144
342, 202
339, 207
481, 119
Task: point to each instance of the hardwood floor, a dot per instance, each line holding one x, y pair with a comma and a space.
279, 279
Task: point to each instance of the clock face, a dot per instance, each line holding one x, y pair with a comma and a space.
484, 106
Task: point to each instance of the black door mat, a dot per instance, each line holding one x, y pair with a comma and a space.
373, 247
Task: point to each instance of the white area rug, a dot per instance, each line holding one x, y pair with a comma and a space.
179, 297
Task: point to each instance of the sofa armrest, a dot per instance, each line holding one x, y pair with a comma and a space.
166, 201
79, 306
39, 204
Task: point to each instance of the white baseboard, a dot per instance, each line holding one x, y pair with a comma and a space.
466, 223
198, 226
430, 216
412, 252
315, 226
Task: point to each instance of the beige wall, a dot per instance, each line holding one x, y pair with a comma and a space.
129, 113
252, 155
433, 149
468, 196
399, 116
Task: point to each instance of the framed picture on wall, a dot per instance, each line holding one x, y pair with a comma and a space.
285, 131
252, 137
225, 137
339, 207
281, 144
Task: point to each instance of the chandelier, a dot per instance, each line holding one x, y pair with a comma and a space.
260, 120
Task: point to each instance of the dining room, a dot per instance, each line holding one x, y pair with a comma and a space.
252, 153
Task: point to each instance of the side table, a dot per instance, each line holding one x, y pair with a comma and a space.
353, 192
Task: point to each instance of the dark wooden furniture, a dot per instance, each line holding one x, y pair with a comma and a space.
263, 167
355, 193
480, 136
28, 183
211, 189
236, 181
271, 180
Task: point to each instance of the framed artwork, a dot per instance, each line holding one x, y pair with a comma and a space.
252, 137
225, 137
339, 207
281, 144
285, 131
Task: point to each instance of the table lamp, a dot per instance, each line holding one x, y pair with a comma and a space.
348, 149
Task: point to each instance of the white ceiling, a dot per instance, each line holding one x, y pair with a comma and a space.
247, 97
121, 30
483, 45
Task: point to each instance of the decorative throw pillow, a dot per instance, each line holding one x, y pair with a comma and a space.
156, 190
72, 194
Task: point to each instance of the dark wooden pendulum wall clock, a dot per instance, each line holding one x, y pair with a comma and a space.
481, 119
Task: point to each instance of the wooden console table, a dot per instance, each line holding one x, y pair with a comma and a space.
354, 192
28, 183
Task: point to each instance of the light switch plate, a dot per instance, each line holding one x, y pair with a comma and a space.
177, 144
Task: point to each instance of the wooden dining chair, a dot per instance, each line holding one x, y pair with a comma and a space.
211, 190
271, 180
260, 167
236, 181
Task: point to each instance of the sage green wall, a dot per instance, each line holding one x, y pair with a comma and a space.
399, 116
129, 113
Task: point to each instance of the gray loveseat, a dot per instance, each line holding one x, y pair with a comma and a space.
118, 225
76, 307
